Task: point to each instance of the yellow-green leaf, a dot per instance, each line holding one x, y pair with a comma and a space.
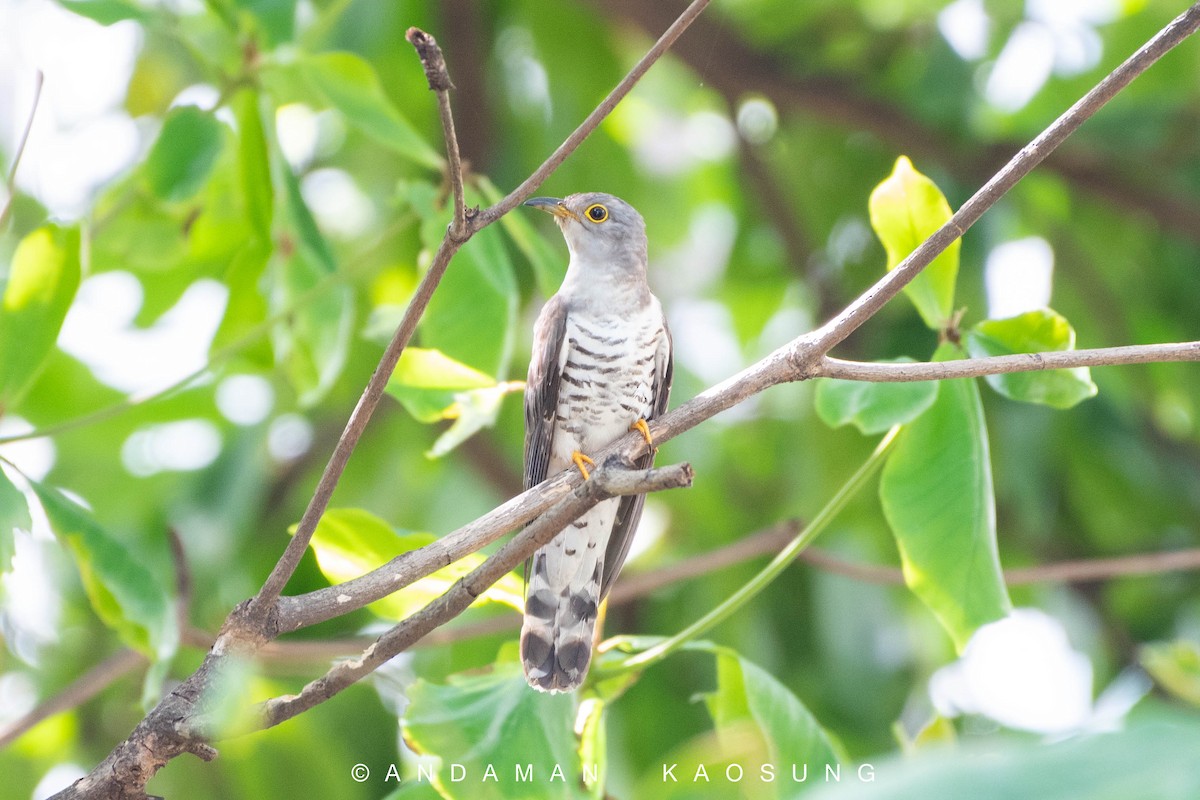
184, 153
349, 542
122, 592
40, 288
1038, 331
905, 209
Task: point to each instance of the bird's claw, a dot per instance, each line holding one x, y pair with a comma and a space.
580, 459
641, 427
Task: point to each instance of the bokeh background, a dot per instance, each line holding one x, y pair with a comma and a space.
227, 322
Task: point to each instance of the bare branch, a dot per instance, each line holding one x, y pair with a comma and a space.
440, 83
997, 365
605, 483
1078, 571
82, 689
530, 184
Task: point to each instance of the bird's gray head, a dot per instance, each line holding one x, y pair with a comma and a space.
600, 229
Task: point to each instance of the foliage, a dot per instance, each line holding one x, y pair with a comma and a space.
289, 170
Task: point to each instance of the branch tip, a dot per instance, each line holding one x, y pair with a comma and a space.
431, 59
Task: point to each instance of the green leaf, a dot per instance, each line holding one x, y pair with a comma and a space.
1175, 666
123, 593
426, 381
905, 209
349, 542
496, 719
254, 166
14, 513
872, 407
1150, 762
41, 284
313, 339
473, 410
1039, 331
351, 86
106, 12
749, 702
938, 498
184, 153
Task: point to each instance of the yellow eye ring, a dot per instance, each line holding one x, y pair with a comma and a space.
596, 212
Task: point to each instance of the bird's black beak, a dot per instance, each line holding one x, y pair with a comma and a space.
553, 205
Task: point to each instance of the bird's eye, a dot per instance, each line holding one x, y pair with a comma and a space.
597, 213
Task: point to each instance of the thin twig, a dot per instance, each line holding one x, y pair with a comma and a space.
1077, 571
439, 82
997, 365
10, 181
530, 184
82, 689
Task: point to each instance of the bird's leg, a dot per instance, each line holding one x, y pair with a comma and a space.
580, 459
641, 427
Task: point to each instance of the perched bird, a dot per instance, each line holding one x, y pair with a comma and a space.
601, 366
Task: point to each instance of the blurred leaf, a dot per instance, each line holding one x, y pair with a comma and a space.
426, 381
872, 407
350, 542
497, 721
41, 285
937, 495
480, 278
905, 209
350, 85
1175, 666
247, 308
276, 18
254, 164
549, 263
1032, 332
106, 12
14, 513
183, 154
749, 701
1149, 762
472, 411
123, 593
312, 341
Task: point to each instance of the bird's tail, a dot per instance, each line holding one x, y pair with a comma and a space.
561, 602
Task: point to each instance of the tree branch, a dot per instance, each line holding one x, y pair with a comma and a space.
997, 365
605, 483
82, 689
1078, 571
440, 83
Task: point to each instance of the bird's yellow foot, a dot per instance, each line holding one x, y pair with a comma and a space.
580, 459
641, 427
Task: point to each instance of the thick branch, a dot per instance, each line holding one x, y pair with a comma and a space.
605, 483
996, 365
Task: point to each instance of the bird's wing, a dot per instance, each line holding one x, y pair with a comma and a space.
541, 388
630, 509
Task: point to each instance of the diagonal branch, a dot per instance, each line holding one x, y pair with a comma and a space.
440, 83
605, 483
10, 181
